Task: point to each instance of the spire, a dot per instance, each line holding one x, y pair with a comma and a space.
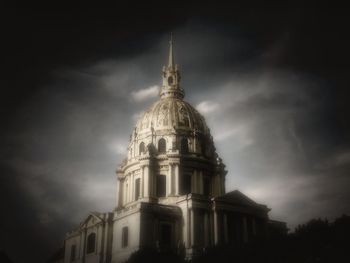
171, 77
171, 53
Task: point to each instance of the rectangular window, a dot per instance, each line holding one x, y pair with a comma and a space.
125, 236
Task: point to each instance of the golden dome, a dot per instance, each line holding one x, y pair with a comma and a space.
171, 125
172, 113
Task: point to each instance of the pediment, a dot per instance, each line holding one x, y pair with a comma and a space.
91, 220
238, 198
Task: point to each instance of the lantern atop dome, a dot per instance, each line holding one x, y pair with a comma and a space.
171, 77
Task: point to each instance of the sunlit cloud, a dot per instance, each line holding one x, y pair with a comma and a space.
261, 120
207, 106
137, 116
145, 94
117, 147
238, 136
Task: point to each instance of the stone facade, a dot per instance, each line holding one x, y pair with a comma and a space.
91, 241
170, 190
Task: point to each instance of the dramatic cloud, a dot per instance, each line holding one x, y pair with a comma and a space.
271, 127
206, 107
144, 94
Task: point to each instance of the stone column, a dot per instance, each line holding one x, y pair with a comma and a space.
120, 193
128, 188
125, 192
132, 187
173, 179
142, 182
177, 181
216, 228
146, 181
186, 227
192, 227
168, 182
211, 228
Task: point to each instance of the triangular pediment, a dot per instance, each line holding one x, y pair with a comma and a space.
238, 198
92, 219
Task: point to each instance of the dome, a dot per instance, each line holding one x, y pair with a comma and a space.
171, 125
172, 113
170, 152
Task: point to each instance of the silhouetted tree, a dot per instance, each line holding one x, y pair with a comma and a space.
316, 241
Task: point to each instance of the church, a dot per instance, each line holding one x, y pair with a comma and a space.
170, 190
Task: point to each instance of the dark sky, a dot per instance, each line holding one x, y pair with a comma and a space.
271, 81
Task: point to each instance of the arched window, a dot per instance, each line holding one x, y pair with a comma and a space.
162, 145
125, 236
91, 243
161, 185
137, 188
142, 148
184, 145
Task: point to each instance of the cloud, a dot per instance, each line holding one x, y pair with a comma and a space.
207, 106
239, 134
342, 158
144, 94
118, 147
271, 126
137, 116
